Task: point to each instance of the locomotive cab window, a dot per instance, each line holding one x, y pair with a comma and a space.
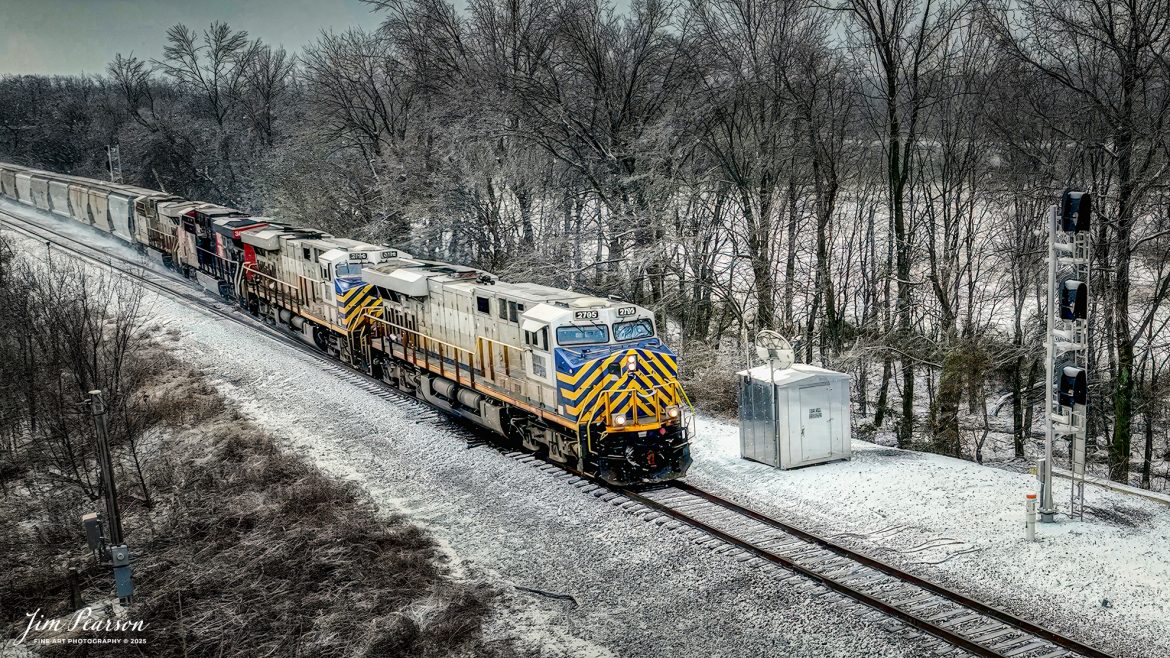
483, 304
583, 335
503, 308
537, 339
633, 330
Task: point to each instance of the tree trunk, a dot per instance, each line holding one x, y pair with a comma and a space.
945, 410
1119, 449
879, 414
1018, 430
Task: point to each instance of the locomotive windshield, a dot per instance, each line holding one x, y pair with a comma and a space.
633, 329
584, 335
349, 269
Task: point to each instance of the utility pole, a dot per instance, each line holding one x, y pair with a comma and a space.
1067, 363
97, 407
111, 546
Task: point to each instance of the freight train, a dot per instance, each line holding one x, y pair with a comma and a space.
584, 380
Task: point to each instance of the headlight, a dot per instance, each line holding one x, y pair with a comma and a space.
673, 412
619, 419
631, 363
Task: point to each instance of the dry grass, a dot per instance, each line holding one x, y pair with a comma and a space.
252, 551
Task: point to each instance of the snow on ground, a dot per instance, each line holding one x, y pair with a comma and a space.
644, 590
1105, 580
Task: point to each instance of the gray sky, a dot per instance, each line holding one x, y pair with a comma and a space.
82, 36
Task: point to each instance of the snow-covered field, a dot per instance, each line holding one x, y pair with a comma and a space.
644, 590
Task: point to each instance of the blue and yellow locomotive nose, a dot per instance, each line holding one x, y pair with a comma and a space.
631, 387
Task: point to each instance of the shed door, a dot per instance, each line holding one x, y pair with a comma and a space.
758, 438
816, 428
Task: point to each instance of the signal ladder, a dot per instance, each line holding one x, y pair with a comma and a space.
1070, 252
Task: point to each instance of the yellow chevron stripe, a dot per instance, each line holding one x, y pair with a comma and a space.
356, 302
373, 303
355, 317
670, 361
645, 410
591, 400
625, 408
573, 379
588, 384
658, 358
640, 378
650, 377
347, 296
360, 307
593, 405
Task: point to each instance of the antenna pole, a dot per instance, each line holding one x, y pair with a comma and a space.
1047, 507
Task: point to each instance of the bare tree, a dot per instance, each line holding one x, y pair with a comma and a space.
1111, 56
266, 75
361, 90
215, 66
897, 40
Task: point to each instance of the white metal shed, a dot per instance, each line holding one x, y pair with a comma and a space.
794, 417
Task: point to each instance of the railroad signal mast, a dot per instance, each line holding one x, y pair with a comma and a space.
1066, 383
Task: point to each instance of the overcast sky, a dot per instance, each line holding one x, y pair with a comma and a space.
82, 36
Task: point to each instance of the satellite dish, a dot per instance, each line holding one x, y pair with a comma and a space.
774, 348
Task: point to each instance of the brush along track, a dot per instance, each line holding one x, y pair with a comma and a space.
956, 620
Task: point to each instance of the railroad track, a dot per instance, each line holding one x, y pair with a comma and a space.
975, 627
962, 623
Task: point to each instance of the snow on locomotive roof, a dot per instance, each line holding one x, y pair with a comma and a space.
410, 277
176, 209
268, 239
400, 275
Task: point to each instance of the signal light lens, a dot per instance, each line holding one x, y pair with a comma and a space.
619, 419
673, 412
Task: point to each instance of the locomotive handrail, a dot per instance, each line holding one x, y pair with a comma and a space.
249, 267
479, 340
426, 351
